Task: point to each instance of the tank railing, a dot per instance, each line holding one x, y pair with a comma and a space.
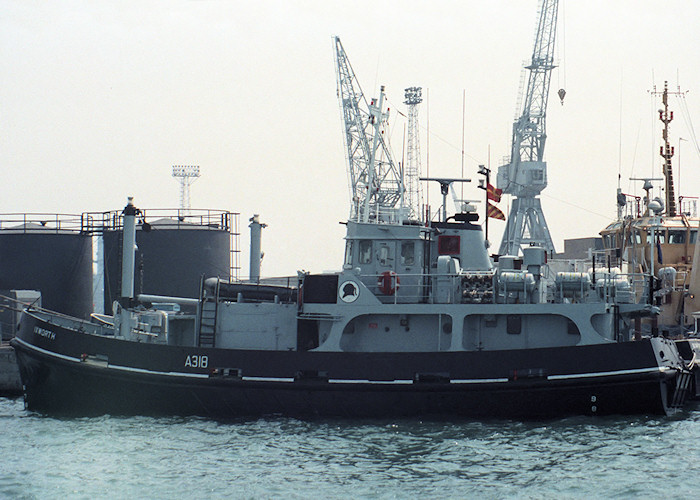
219, 220
95, 223
41, 223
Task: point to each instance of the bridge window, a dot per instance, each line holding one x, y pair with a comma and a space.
348, 253
384, 255
659, 235
676, 236
408, 249
448, 245
365, 252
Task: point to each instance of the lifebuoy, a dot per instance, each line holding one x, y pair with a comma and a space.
388, 282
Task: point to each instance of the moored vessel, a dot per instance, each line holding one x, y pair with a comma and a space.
418, 322
657, 236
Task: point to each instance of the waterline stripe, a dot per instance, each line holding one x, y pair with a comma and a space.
153, 372
366, 381
48, 353
479, 381
656, 369
267, 379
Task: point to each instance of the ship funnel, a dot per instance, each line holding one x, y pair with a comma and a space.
128, 251
255, 245
123, 318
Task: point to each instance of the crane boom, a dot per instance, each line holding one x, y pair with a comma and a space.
525, 175
376, 185
529, 131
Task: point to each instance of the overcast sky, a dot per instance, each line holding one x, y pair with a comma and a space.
100, 99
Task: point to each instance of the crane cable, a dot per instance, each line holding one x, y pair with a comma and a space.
683, 105
561, 55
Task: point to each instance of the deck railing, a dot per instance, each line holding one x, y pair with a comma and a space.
480, 287
41, 223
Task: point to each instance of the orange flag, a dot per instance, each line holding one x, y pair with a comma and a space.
494, 212
493, 193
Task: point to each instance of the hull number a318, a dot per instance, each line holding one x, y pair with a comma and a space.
195, 361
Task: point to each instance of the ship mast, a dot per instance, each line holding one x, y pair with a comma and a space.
666, 152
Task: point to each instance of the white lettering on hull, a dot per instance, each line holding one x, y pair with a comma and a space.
195, 361
43, 332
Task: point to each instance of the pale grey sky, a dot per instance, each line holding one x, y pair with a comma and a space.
100, 99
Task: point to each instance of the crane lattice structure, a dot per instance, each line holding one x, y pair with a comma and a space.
376, 185
412, 170
186, 174
525, 176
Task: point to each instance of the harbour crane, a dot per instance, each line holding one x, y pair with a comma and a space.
525, 174
376, 184
412, 169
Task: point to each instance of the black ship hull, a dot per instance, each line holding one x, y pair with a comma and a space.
73, 373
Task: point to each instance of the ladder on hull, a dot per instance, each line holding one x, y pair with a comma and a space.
208, 308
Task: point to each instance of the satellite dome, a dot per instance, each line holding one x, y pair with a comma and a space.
656, 207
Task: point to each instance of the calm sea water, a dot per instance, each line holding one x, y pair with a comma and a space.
193, 458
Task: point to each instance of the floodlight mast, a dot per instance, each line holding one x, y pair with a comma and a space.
412, 170
525, 175
376, 185
186, 174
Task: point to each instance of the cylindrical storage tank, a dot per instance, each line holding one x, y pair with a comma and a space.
172, 255
49, 253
